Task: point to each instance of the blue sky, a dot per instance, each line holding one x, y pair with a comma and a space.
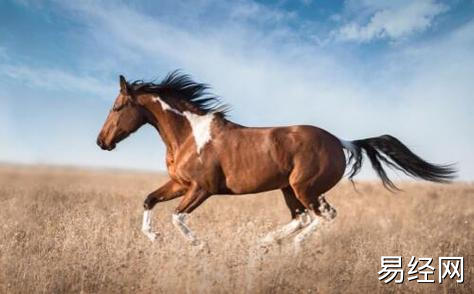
355, 68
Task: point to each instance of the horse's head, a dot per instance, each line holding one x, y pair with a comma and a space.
125, 117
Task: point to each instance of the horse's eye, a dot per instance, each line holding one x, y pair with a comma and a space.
119, 107
116, 108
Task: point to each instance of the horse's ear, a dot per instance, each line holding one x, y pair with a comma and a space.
123, 85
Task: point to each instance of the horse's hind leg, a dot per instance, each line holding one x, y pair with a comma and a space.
298, 215
306, 193
294, 205
318, 207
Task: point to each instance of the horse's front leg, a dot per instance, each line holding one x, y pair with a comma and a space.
192, 199
168, 191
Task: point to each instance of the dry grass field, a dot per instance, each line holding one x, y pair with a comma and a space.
72, 230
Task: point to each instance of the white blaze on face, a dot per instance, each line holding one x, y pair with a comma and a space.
200, 124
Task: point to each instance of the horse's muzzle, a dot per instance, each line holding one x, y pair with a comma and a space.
104, 146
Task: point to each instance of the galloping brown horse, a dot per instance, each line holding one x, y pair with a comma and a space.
207, 154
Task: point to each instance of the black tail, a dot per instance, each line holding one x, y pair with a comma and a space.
390, 151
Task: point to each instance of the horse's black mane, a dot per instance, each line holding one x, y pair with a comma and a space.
188, 91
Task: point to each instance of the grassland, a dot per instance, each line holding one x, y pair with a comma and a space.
73, 230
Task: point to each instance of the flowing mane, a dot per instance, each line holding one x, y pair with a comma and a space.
186, 93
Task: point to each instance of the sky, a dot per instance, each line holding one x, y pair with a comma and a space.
355, 68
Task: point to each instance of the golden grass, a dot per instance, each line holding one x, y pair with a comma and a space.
72, 230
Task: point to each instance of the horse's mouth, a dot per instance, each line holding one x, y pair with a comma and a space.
110, 147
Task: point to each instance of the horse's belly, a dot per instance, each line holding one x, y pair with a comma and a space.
255, 178
255, 160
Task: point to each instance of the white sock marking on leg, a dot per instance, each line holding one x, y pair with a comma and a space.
146, 225
288, 229
178, 222
305, 219
301, 221
305, 233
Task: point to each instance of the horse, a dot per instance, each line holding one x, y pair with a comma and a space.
207, 154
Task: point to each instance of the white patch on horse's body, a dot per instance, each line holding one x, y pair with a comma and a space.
166, 106
178, 222
146, 225
200, 124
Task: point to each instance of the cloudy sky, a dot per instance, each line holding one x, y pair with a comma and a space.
356, 68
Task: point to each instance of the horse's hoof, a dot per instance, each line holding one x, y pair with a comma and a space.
151, 235
266, 241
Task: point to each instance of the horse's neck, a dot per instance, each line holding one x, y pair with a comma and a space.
171, 126
176, 127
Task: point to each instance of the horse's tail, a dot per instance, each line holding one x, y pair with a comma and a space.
393, 153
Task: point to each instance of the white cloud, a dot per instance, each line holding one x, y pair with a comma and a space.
393, 22
255, 12
55, 79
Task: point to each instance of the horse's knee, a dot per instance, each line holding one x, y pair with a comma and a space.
150, 202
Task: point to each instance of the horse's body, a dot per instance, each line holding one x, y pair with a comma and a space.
207, 154
244, 160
